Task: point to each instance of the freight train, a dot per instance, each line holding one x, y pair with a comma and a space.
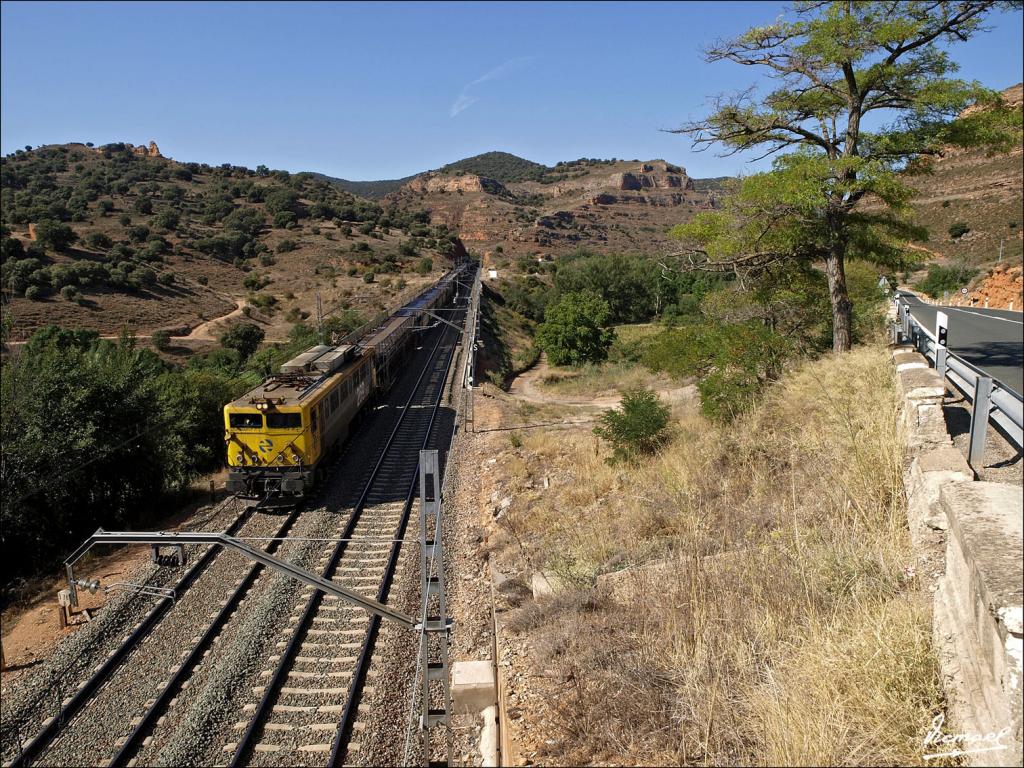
282, 434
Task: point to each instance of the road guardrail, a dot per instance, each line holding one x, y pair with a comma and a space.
990, 399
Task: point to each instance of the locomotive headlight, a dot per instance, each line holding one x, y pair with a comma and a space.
295, 458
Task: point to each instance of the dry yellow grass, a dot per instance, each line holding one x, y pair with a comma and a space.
766, 616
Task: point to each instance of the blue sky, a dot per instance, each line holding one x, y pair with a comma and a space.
370, 91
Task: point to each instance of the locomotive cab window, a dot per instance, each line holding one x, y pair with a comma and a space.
284, 421
245, 420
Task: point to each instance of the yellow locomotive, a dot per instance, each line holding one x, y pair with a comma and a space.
281, 434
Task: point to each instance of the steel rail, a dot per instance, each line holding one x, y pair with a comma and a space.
245, 743
369, 641
188, 665
71, 706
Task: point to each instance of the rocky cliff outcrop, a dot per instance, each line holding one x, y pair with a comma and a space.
436, 182
144, 151
656, 175
1002, 288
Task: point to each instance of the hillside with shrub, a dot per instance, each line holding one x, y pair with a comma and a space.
107, 238
970, 202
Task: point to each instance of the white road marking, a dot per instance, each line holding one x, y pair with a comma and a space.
979, 314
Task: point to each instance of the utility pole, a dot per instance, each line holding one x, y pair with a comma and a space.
319, 317
1001, 241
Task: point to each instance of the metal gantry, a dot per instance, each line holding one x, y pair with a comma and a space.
163, 538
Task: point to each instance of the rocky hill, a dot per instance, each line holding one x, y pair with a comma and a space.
603, 205
121, 237
971, 202
500, 166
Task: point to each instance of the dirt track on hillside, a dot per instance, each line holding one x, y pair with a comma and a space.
525, 387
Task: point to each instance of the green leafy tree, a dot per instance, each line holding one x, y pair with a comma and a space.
838, 64
54, 234
574, 332
639, 426
244, 338
732, 362
11, 249
249, 221
131, 429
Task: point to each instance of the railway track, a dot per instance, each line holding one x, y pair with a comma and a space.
52, 726
307, 707
365, 558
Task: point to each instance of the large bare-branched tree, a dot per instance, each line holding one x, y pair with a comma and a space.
864, 94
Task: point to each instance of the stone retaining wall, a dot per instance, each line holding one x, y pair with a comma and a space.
968, 536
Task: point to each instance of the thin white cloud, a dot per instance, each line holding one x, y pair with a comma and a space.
466, 99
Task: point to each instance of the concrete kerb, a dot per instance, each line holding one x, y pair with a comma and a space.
909, 360
977, 607
932, 468
978, 610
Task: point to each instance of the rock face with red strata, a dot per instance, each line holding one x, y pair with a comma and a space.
1001, 288
623, 206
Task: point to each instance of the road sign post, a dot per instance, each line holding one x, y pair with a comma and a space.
941, 327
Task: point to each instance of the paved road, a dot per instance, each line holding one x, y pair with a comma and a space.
991, 339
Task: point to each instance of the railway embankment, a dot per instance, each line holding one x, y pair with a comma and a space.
967, 537
747, 594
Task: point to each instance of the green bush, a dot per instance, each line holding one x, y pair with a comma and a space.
958, 229
284, 220
160, 427
369, 276
425, 265
263, 300
733, 362
33, 293
640, 426
162, 340
286, 245
97, 241
940, 280
70, 293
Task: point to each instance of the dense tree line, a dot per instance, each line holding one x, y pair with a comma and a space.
732, 337
94, 432
98, 433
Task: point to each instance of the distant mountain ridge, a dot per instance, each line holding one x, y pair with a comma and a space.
371, 189
503, 167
